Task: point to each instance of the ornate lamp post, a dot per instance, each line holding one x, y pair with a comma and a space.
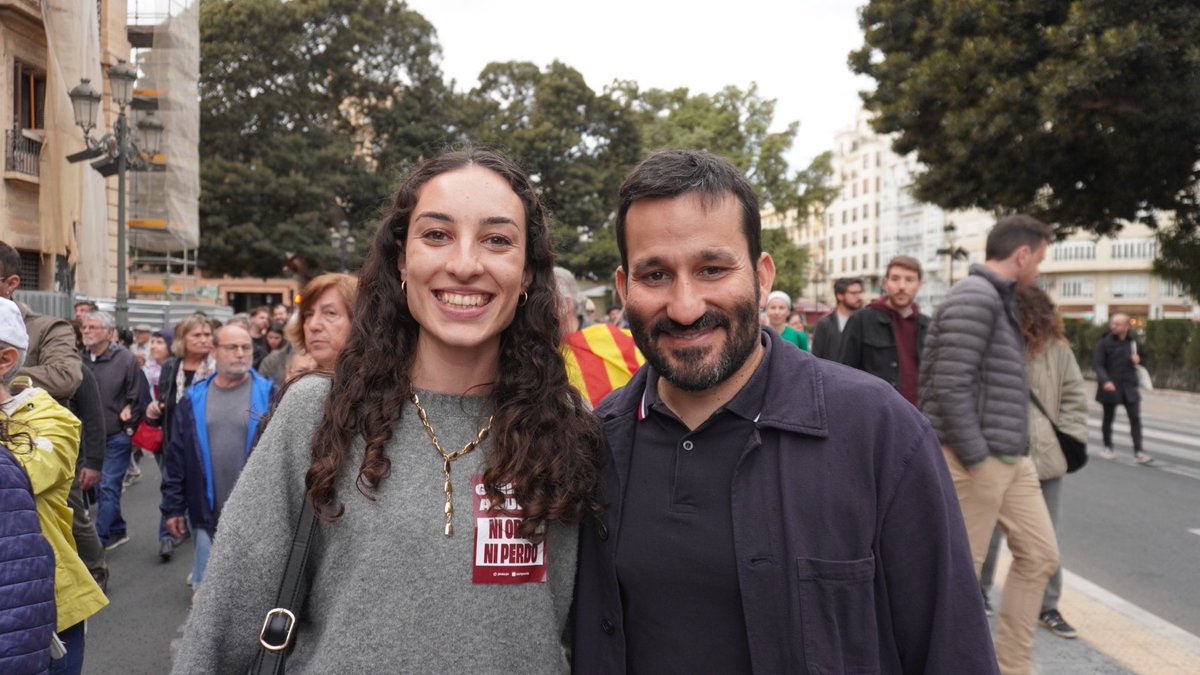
954, 252
118, 152
342, 242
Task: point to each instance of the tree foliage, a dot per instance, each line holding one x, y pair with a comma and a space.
791, 262
1083, 112
301, 104
312, 109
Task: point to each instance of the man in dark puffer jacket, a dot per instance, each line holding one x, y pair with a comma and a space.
975, 392
27, 613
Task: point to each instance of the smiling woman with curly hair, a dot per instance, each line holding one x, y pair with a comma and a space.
447, 459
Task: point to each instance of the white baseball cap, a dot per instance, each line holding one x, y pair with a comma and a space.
12, 325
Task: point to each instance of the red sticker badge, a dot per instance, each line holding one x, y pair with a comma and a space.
501, 555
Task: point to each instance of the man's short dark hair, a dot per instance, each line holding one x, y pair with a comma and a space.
10, 261
261, 309
670, 173
1013, 232
842, 285
904, 262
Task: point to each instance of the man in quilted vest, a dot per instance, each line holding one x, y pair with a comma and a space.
975, 392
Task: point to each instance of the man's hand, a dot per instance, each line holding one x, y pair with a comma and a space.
154, 410
1109, 386
126, 413
176, 526
1137, 360
88, 478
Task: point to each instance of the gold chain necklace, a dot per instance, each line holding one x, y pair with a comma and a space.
447, 457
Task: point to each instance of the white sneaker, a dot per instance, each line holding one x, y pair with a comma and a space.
1142, 458
1107, 453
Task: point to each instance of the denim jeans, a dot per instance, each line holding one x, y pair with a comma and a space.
72, 663
203, 540
109, 523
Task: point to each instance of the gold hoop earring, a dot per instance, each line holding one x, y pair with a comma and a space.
523, 299
404, 286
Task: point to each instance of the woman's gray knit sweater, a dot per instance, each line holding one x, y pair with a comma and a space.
390, 592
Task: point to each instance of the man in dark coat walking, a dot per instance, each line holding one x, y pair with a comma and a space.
1114, 359
827, 335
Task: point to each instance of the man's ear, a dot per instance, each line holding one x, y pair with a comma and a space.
765, 273
8, 360
621, 289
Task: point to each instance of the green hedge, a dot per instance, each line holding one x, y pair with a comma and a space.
1171, 346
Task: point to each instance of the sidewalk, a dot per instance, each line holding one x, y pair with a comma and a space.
1115, 636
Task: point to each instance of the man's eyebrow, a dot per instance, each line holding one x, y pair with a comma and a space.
708, 255
644, 264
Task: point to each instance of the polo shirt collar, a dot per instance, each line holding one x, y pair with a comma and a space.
747, 403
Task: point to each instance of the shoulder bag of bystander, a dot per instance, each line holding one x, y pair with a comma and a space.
1073, 449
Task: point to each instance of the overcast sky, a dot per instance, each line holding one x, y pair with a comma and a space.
794, 49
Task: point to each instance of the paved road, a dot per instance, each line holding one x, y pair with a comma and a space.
1126, 528
1135, 530
148, 599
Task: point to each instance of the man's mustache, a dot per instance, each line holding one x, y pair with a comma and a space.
710, 319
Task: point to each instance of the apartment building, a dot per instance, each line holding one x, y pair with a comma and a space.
807, 233
852, 219
1093, 278
62, 216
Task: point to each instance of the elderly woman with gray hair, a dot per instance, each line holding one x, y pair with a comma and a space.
779, 307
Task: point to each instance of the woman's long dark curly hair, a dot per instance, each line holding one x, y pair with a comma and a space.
544, 441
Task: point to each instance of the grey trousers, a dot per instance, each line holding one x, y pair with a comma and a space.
1052, 493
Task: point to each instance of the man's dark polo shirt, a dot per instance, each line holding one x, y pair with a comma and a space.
675, 558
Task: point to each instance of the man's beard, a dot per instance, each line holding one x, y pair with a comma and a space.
692, 372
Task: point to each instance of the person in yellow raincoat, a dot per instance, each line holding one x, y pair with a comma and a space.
50, 434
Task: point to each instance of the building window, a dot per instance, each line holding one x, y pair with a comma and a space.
865, 259
1130, 285
1073, 250
876, 209
877, 183
866, 185
29, 97
853, 264
866, 211
866, 160
845, 238
1134, 249
843, 264
843, 216
854, 239
1168, 288
854, 189
877, 158
1076, 286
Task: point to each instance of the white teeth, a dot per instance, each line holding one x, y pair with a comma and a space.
460, 300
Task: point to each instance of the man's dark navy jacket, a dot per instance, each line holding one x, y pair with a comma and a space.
849, 541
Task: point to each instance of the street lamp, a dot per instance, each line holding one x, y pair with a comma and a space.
954, 252
117, 152
342, 242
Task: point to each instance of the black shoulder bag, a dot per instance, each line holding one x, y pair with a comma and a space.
1074, 450
277, 636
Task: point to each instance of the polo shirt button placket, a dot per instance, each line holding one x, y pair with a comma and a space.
606, 626
688, 445
602, 531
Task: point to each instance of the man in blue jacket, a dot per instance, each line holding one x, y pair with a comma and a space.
211, 437
765, 511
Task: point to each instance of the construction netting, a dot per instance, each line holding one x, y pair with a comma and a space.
72, 209
164, 213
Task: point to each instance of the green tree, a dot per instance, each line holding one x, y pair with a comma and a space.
576, 145
736, 124
791, 262
307, 108
1085, 113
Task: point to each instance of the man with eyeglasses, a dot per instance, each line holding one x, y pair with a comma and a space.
211, 437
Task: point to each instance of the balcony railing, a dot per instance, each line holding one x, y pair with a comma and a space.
21, 153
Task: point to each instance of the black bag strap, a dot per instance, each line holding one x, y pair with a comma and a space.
1033, 397
279, 627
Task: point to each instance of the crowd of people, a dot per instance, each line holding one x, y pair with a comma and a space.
483, 475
